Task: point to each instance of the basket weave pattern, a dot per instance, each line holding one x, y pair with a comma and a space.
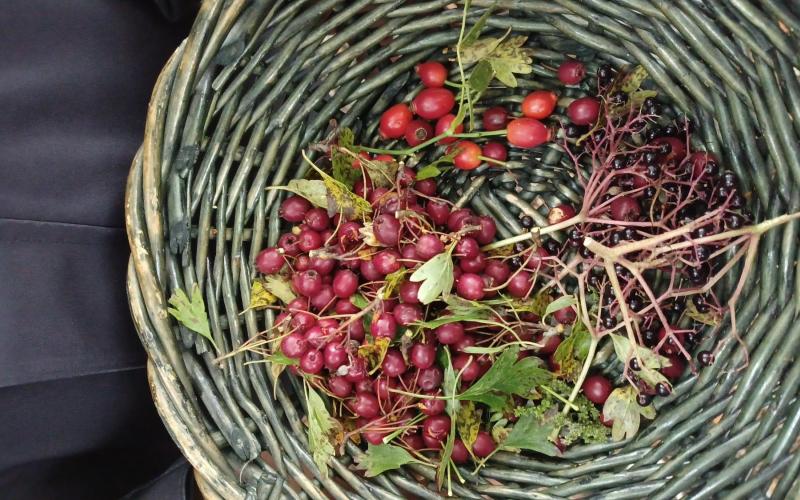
257, 81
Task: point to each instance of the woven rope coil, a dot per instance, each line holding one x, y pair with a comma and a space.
256, 82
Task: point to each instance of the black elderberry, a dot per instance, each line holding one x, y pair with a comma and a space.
650, 337
652, 133
653, 172
526, 222
737, 200
705, 358
729, 179
644, 399
552, 246
618, 98
650, 158
671, 131
573, 131
634, 364
663, 390
733, 221
711, 168
618, 163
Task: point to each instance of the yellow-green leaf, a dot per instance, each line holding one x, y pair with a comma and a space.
622, 408
393, 280
374, 352
191, 313
260, 297
479, 50
436, 276
331, 194
711, 318
342, 158
468, 423
279, 287
633, 80
322, 431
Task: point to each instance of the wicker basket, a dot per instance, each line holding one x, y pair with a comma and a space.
257, 81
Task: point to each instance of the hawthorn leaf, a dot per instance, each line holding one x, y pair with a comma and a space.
468, 423
428, 172
342, 160
479, 50
507, 375
383, 457
481, 76
312, 190
191, 313
529, 433
393, 280
280, 287
260, 297
711, 318
558, 304
322, 431
374, 352
621, 408
436, 276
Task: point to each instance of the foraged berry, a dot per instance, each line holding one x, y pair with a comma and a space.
644, 399
433, 103
527, 133
597, 388
663, 390
539, 104
394, 121
269, 261
495, 118
467, 155
571, 72
294, 208
584, 111
705, 358
417, 132
432, 73
443, 124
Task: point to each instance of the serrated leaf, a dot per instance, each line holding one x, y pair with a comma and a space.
381, 173
479, 50
280, 287
436, 277
463, 307
342, 159
621, 407
260, 297
191, 313
337, 197
558, 304
530, 434
510, 57
481, 76
383, 457
711, 318
374, 352
449, 383
322, 431
393, 280
468, 423
279, 358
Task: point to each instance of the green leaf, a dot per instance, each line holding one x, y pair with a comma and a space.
436, 276
342, 161
393, 280
312, 190
280, 287
428, 172
471, 308
331, 194
475, 31
468, 423
322, 431
711, 318
558, 304
621, 407
449, 383
383, 457
571, 353
280, 358
510, 57
650, 361
381, 173
359, 301
633, 80
507, 376
481, 76
191, 313
529, 434
479, 50
374, 352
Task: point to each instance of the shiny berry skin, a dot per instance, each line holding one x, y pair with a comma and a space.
436, 428
584, 111
387, 261
298, 304
408, 291
423, 355
407, 314
456, 219
348, 234
413, 441
663, 390
520, 284
560, 213
625, 208
467, 156
355, 331
597, 388
394, 121
372, 434
417, 132
363, 187
393, 364
324, 298
294, 208
495, 118
302, 263
438, 211
566, 315
430, 378
308, 240
527, 133
431, 407
428, 246
312, 362
383, 325
269, 261
365, 405
317, 219
345, 283
539, 104
644, 399
433, 103
307, 283
468, 248
368, 271
302, 321
449, 333
426, 187
484, 445
495, 151
294, 345
676, 147
676, 368
487, 231
460, 454
315, 337
498, 270
476, 265
443, 124
668, 346
549, 344
335, 356
288, 243
357, 370
387, 229
571, 72
705, 358
340, 386
432, 73
470, 286
467, 365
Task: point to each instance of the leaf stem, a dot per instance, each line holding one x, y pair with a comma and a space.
584, 372
540, 231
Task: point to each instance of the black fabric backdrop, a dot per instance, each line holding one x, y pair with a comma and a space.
76, 417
